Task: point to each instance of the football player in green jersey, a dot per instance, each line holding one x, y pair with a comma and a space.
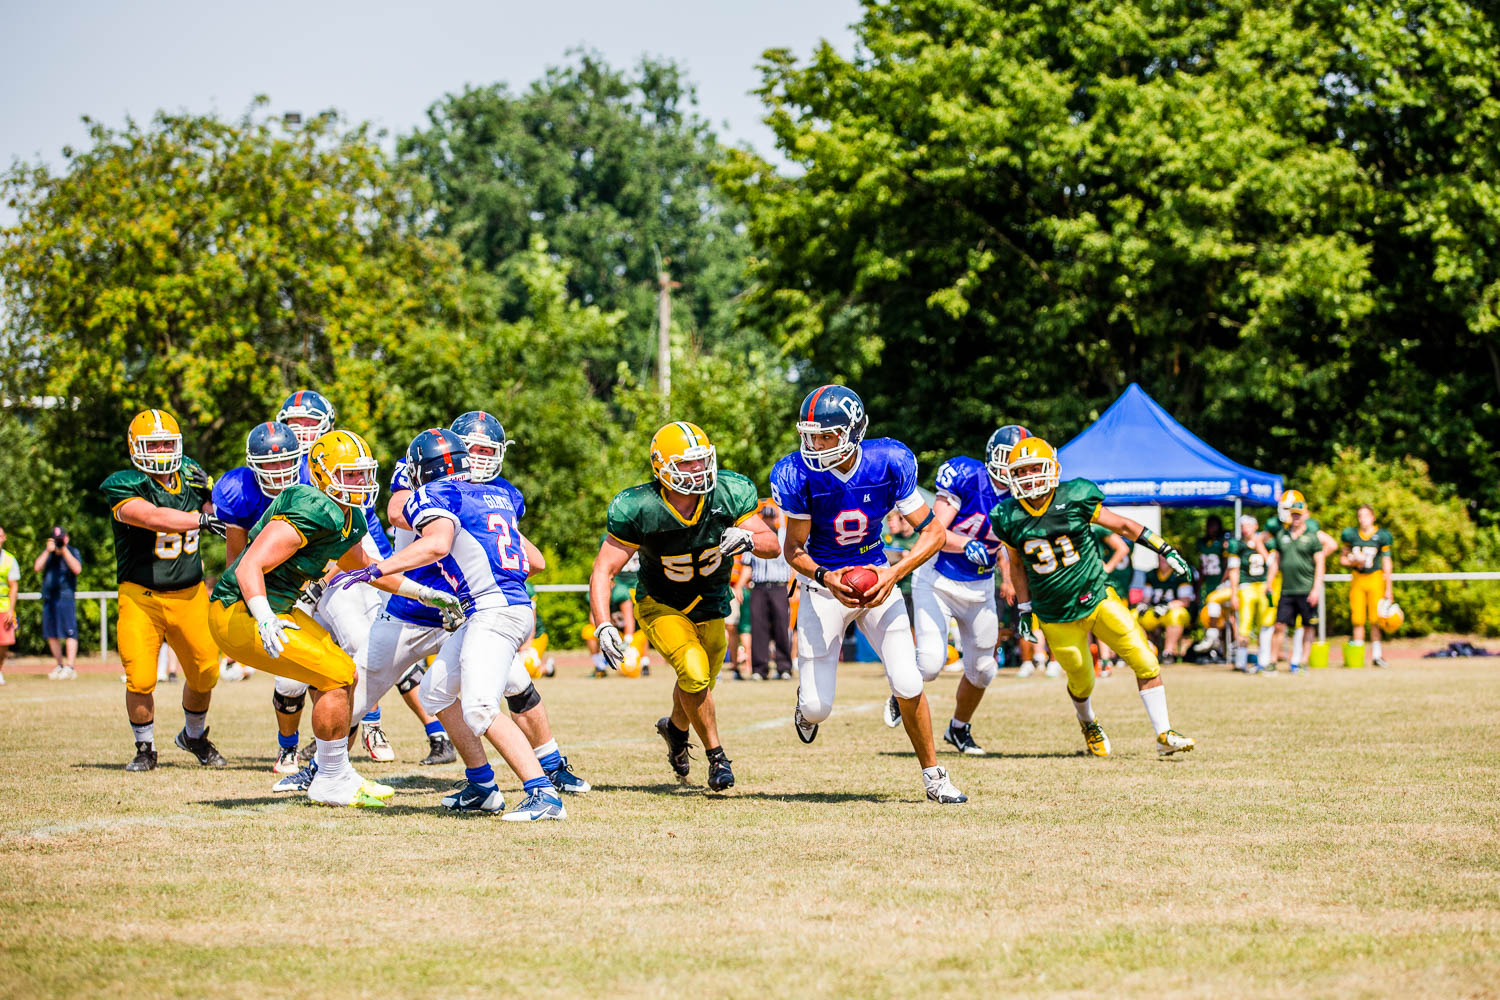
161, 507
1059, 575
1166, 594
688, 523
1250, 566
1367, 553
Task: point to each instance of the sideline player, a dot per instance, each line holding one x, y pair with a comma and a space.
688, 523
407, 632
1058, 572
473, 530
1302, 549
835, 491
960, 583
254, 615
1367, 552
1249, 565
161, 507
1165, 597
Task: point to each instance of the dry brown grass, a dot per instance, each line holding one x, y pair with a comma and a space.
1333, 835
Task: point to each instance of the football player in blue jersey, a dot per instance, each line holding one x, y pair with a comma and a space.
835, 492
472, 531
959, 583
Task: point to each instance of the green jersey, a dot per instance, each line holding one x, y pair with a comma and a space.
1297, 567
1213, 560
902, 544
328, 530
1122, 575
1159, 590
1064, 569
1370, 551
156, 560
680, 562
1253, 565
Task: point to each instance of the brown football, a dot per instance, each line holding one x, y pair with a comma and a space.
860, 579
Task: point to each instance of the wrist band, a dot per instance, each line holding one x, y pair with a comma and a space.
926, 520
819, 574
1151, 540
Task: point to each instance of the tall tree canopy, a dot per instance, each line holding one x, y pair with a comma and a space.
1280, 218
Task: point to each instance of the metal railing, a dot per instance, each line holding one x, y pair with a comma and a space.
103, 597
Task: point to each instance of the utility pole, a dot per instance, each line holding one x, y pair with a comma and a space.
665, 285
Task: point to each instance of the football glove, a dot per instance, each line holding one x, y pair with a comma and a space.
611, 645
195, 477
271, 627
979, 554
365, 574
210, 523
1175, 560
734, 541
1025, 626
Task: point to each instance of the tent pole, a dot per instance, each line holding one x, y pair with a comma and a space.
1238, 509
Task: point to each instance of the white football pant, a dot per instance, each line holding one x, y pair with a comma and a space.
935, 598
821, 622
477, 665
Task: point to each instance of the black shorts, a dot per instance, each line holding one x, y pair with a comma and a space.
1294, 606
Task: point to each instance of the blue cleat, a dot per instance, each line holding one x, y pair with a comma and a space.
472, 798
299, 782
564, 780
543, 803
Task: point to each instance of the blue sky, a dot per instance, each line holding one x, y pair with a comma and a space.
382, 62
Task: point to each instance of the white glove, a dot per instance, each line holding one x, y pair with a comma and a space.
611, 645
272, 628
449, 606
734, 541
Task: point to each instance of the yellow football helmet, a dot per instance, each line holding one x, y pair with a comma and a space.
340, 464
680, 442
1290, 500
152, 427
1033, 474
1389, 616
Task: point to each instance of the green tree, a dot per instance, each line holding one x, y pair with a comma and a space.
612, 169
1272, 216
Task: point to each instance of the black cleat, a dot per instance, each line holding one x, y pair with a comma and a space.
806, 731
441, 750
208, 755
306, 753
144, 759
962, 739
720, 776
677, 751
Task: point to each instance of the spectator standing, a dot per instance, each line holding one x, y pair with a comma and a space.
10, 589
770, 607
1302, 549
59, 565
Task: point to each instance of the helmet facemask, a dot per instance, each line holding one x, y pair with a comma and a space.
156, 462
1033, 477
483, 468
849, 436
698, 483
997, 463
273, 481
353, 483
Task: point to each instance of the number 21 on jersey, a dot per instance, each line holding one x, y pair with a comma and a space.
508, 543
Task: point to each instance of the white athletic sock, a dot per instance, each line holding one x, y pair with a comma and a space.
1155, 700
1376, 647
549, 747
1264, 653
1210, 635
144, 734
1040, 659
1084, 708
955, 724
930, 773
1297, 645
196, 723
332, 757
1242, 657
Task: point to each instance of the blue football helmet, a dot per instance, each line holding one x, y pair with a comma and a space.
997, 452
836, 409
274, 454
437, 454
481, 430
309, 414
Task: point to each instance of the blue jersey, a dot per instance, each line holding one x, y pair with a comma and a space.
966, 484
239, 500
848, 511
487, 567
404, 608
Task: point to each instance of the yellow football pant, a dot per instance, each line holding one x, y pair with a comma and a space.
1174, 615
1219, 596
178, 617
1113, 623
1254, 608
311, 656
695, 650
1366, 591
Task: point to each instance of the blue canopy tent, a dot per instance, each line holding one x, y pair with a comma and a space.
1138, 454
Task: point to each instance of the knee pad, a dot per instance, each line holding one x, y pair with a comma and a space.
1178, 616
288, 704
981, 673
412, 678
479, 715
289, 687
525, 701
931, 663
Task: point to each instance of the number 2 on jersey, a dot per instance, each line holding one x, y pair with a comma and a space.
512, 554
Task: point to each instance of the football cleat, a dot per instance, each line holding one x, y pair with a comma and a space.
66, 673
306, 752
232, 672
564, 780
543, 803
1094, 738
1171, 742
440, 750
962, 739
892, 712
940, 789
1026, 669
1054, 669
349, 789
286, 761
806, 731
144, 759
202, 748
1378, 662
677, 753
300, 781
472, 798
720, 777
376, 744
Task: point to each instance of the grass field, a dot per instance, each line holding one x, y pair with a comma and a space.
1333, 835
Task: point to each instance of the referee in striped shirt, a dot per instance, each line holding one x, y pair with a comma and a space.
770, 615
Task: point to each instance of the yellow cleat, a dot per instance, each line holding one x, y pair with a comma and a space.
1094, 738
350, 789
372, 795
1172, 741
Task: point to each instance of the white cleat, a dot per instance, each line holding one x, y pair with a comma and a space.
377, 745
233, 673
1054, 669
940, 789
348, 789
1172, 741
892, 713
1027, 669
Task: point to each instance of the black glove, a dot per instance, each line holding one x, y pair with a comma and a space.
195, 477
207, 522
